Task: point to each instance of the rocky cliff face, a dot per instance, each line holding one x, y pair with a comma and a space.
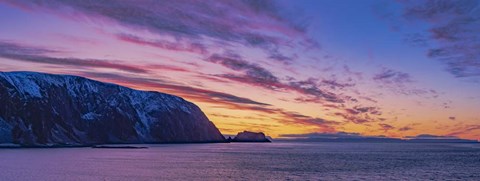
41, 109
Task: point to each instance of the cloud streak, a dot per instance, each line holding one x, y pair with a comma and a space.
24, 53
389, 76
164, 44
258, 76
465, 130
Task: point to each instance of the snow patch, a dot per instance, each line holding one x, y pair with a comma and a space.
24, 84
90, 116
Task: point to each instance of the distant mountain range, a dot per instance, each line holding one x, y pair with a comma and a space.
40, 109
355, 137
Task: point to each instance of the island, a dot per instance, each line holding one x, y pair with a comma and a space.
248, 136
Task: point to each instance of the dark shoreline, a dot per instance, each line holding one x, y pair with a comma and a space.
119, 147
16, 146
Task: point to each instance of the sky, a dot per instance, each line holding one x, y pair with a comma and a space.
373, 67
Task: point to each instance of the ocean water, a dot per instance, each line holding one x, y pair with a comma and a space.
248, 161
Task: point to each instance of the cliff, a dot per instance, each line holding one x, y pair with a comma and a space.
49, 110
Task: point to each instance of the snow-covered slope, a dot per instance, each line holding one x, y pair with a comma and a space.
42, 109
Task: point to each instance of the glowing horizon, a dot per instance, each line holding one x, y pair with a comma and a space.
397, 69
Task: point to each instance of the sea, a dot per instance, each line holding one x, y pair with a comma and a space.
247, 161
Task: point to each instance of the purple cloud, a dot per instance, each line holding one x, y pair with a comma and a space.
359, 114
164, 44
335, 85
357, 119
405, 128
261, 24
455, 29
386, 127
254, 72
256, 75
371, 110
389, 76
277, 56
15, 51
466, 129
400, 83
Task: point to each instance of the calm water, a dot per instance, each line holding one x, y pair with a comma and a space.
235, 161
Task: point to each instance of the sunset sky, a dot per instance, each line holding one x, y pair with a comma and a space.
394, 68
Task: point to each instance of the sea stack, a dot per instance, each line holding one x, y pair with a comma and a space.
247, 136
